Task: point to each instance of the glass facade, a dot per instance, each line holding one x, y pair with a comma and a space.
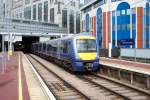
46, 11
71, 20
40, 12
27, 1
52, 15
87, 23
86, 1
64, 18
77, 22
34, 12
27, 13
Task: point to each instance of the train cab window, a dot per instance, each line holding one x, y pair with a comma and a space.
86, 45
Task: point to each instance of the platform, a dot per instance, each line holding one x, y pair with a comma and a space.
21, 82
138, 67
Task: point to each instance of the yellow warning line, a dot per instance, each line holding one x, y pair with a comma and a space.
20, 81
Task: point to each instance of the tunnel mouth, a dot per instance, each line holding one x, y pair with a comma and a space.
27, 42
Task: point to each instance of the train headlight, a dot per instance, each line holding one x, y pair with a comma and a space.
78, 57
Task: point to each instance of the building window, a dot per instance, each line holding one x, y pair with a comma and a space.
34, 12
35, 0
123, 12
20, 15
118, 27
113, 13
46, 11
73, 3
64, 18
128, 11
27, 13
123, 27
118, 13
27, 1
113, 28
78, 22
52, 15
71, 20
128, 27
40, 12
133, 11
133, 27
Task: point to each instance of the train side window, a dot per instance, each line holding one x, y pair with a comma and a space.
49, 48
65, 48
40, 46
44, 46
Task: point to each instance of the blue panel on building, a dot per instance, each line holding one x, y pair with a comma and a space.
87, 23
99, 27
147, 25
123, 21
113, 29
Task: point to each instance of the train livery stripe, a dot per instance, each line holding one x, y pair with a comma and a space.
85, 37
87, 56
140, 27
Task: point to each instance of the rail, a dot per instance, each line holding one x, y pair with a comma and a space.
60, 85
125, 91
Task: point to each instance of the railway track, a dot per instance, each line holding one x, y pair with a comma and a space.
118, 88
61, 89
87, 86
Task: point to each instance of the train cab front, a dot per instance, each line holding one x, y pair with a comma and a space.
87, 57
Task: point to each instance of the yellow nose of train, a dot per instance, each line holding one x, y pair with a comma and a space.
87, 56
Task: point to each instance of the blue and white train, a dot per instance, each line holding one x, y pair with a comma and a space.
77, 52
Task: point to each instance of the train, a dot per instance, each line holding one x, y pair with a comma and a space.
76, 52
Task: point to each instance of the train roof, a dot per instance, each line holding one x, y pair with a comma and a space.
69, 37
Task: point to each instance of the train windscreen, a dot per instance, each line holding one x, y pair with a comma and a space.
86, 45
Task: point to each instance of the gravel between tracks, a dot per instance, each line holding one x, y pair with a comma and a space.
74, 81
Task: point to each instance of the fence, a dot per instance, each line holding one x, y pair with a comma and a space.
136, 54
3, 62
0, 62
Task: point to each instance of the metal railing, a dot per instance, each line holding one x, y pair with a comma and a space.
136, 54
3, 62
